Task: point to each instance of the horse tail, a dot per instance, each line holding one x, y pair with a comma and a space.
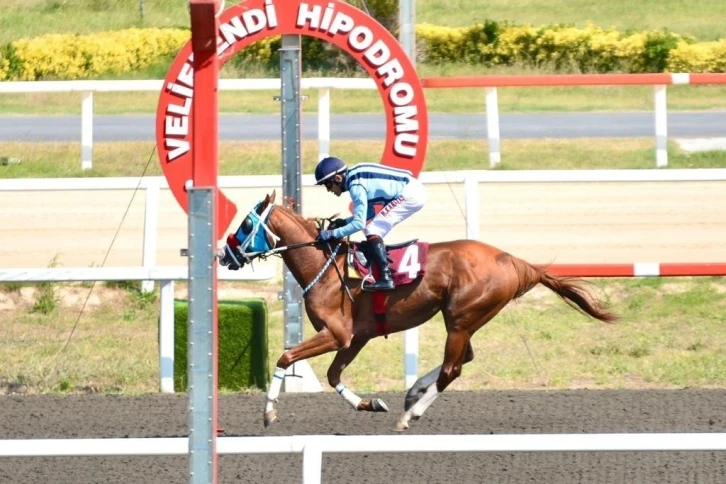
569, 289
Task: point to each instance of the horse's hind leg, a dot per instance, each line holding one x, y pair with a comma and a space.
341, 361
457, 343
320, 343
418, 389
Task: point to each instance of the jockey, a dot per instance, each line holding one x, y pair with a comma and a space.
370, 184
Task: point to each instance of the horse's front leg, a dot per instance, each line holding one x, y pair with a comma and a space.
322, 342
341, 361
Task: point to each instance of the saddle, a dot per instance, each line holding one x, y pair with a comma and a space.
407, 260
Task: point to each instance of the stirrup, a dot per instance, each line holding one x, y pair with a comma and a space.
385, 286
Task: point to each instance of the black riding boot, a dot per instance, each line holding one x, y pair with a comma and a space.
384, 281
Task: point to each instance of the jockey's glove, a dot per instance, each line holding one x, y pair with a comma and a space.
324, 236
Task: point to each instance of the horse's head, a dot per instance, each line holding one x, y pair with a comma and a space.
253, 236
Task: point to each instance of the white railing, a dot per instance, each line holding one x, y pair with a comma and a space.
88, 88
312, 447
324, 85
470, 179
166, 276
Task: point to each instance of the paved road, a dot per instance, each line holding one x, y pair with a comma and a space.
372, 126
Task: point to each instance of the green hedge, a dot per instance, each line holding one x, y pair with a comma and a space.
243, 360
562, 48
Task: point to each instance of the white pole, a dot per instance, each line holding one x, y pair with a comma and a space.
661, 127
471, 197
166, 337
312, 463
151, 223
323, 123
495, 156
410, 362
87, 131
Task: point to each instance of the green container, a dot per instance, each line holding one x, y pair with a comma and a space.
242, 355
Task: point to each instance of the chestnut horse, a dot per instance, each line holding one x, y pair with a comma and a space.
466, 280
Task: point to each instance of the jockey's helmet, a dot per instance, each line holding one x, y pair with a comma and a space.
328, 168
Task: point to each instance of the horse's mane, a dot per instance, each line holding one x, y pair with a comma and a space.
310, 224
313, 224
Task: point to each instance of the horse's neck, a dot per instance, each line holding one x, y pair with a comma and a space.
304, 263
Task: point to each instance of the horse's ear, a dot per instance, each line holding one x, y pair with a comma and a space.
268, 200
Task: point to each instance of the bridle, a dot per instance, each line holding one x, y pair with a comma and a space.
236, 249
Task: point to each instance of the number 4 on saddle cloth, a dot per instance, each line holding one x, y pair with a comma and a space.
407, 263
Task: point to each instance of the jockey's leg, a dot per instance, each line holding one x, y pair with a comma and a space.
412, 199
384, 281
341, 361
320, 343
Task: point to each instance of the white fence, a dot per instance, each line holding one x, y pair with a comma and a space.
323, 85
312, 447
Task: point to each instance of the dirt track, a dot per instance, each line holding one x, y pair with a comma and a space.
555, 222
453, 413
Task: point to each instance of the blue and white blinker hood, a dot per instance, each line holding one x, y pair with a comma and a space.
252, 240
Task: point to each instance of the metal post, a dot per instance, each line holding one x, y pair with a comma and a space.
200, 346
407, 27
299, 377
291, 173
407, 38
203, 396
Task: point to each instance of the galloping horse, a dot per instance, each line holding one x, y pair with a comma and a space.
468, 281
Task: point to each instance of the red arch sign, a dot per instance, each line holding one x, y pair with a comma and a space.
334, 21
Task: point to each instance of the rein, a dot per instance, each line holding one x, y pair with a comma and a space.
325, 268
264, 254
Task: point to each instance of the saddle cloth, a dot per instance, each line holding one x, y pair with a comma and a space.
407, 259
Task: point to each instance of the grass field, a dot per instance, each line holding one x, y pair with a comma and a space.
541, 99
670, 336
49, 160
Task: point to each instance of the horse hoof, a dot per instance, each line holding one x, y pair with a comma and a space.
379, 405
270, 417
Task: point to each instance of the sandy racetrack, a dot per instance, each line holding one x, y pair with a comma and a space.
540, 222
453, 413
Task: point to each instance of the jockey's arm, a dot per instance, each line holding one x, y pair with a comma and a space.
359, 196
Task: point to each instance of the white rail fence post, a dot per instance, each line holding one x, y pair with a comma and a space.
495, 156
661, 127
151, 228
323, 123
166, 337
87, 131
